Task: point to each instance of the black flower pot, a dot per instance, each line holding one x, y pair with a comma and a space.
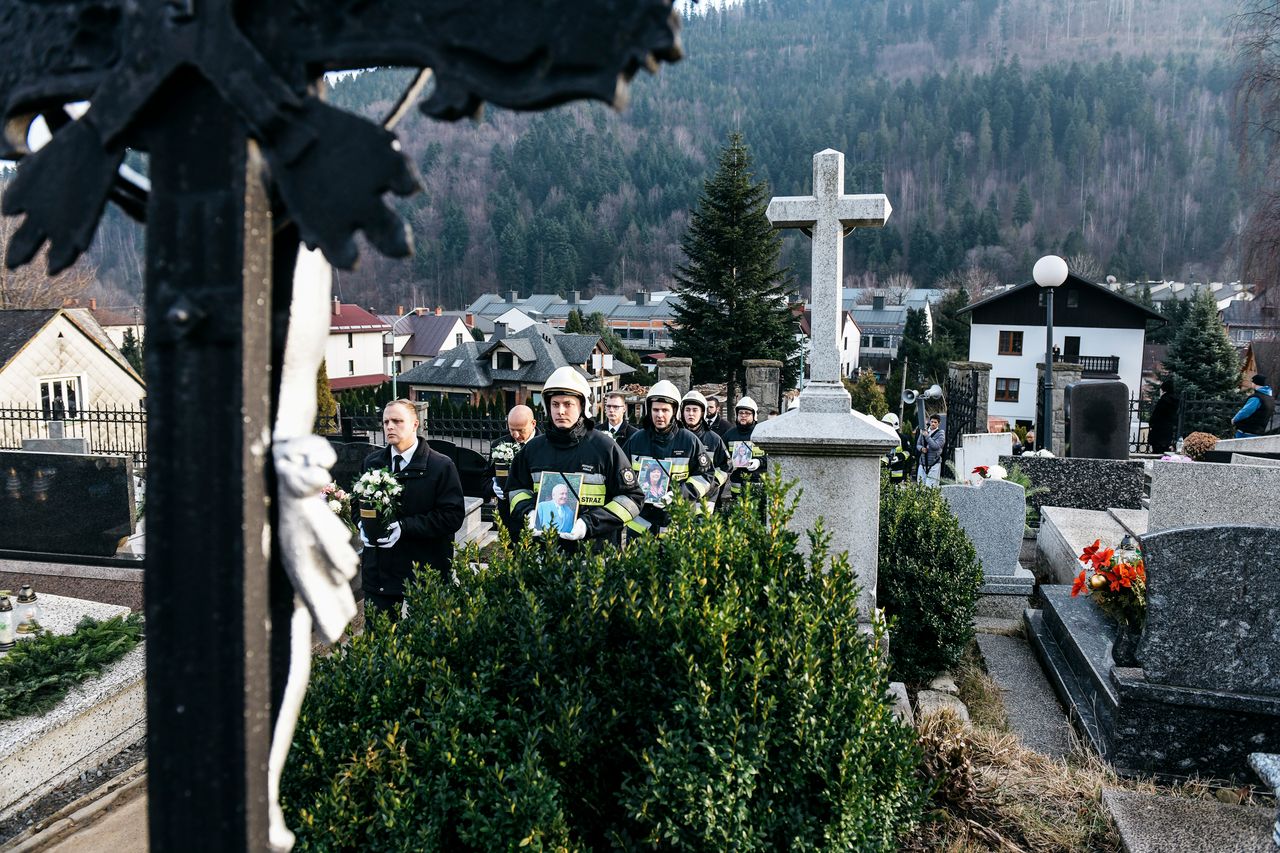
374, 528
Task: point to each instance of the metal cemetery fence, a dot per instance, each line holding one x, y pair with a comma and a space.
112, 430
961, 394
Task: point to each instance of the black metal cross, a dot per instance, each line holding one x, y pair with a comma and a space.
245, 161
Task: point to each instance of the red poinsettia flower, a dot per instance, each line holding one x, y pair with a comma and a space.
1078, 586
981, 470
1089, 550
1102, 559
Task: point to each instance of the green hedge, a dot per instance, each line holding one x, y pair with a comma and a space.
929, 579
709, 692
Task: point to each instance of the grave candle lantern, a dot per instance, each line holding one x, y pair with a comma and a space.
6, 623
26, 618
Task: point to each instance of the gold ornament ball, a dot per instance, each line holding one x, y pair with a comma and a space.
1098, 582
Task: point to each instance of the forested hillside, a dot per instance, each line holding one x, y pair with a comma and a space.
1000, 129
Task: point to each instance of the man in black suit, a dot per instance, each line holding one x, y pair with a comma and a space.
615, 414
715, 420
431, 512
521, 426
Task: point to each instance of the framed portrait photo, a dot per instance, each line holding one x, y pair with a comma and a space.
558, 500
655, 481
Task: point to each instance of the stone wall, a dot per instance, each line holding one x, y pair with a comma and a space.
1063, 375
764, 384
678, 371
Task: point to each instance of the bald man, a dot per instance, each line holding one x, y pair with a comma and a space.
521, 427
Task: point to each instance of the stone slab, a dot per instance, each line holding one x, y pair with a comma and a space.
1163, 823
1257, 444
1020, 584
981, 448
1213, 609
901, 703
1213, 493
1062, 537
993, 516
930, 702
65, 503
1134, 521
97, 719
1030, 704
56, 445
1097, 484
1242, 459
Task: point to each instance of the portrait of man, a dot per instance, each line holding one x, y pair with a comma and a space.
558, 501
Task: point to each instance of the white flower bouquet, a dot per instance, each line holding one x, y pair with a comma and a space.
339, 504
379, 494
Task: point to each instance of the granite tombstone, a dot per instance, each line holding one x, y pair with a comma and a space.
1212, 493
1097, 420
66, 503
993, 515
1098, 484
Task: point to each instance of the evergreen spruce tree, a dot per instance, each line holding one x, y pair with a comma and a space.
733, 294
131, 349
1022, 207
1201, 360
573, 324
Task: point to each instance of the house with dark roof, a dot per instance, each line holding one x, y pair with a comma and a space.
1093, 326
1247, 319
512, 369
357, 354
421, 335
1263, 356
60, 361
641, 322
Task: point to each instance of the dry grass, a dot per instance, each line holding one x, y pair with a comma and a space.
994, 794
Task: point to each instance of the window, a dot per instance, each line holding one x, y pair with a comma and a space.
60, 398
866, 340
1007, 390
1010, 343
351, 368
881, 342
1073, 299
350, 341
505, 361
457, 339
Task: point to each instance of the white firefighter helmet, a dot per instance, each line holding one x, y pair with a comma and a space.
566, 380
663, 390
891, 419
749, 404
696, 398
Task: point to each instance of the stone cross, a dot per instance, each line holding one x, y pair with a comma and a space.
245, 163
827, 216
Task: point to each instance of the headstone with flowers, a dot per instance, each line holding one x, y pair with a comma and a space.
993, 515
1202, 691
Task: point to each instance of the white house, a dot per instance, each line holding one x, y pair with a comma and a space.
61, 359
354, 356
850, 342
421, 335
1093, 326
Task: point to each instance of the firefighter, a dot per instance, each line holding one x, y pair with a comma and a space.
693, 409
607, 496
669, 461
747, 460
898, 460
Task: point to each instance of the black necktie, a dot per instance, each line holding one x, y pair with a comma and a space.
396, 462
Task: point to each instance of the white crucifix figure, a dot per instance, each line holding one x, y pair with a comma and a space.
827, 216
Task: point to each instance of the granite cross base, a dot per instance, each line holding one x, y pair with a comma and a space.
836, 459
1139, 727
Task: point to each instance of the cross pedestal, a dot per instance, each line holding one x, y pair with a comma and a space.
833, 451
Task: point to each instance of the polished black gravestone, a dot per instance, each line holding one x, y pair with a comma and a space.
350, 464
1097, 416
64, 503
1207, 694
245, 161
473, 469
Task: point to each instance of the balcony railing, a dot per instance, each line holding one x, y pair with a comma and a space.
1094, 365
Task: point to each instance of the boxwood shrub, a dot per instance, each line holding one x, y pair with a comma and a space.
929, 579
709, 691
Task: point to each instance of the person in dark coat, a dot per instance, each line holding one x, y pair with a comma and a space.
715, 418
1164, 419
430, 513
521, 426
616, 425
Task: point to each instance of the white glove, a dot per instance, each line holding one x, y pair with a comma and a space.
753, 465
497, 490
667, 499
532, 519
579, 531
392, 537
363, 541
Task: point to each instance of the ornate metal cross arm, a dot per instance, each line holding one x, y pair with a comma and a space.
331, 169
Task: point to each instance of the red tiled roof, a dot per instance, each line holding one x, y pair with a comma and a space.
346, 383
353, 318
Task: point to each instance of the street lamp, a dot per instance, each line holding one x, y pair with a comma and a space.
1049, 272
389, 348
